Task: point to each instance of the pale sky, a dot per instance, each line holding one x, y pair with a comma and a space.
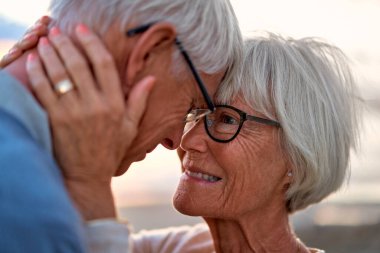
24, 11
352, 25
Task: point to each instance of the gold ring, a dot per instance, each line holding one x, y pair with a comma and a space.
64, 87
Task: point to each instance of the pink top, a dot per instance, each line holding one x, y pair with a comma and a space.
114, 237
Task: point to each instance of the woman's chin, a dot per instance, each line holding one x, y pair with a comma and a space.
185, 208
194, 197
187, 205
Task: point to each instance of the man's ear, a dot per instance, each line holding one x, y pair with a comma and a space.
160, 36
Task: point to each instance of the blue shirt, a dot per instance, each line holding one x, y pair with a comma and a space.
36, 214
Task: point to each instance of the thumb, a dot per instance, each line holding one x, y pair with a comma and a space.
138, 99
11, 56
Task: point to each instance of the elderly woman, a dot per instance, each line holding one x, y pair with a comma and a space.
281, 144
278, 142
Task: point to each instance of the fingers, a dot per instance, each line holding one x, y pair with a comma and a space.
32, 35
45, 20
74, 62
138, 99
40, 28
12, 55
39, 82
103, 63
54, 67
30, 39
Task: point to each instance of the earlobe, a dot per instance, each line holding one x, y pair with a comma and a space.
153, 42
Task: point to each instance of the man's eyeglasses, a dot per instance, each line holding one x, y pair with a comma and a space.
186, 56
225, 123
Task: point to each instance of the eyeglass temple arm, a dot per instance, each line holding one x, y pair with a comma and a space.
263, 121
139, 29
199, 81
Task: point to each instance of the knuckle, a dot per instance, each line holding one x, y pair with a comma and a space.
117, 109
88, 42
76, 64
105, 61
96, 111
47, 54
109, 113
103, 111
37, 82
33, 72
45, 20
61, 41
58, 119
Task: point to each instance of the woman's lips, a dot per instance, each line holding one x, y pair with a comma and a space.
202, 176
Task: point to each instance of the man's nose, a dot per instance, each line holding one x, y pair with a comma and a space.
170, 144
174, 139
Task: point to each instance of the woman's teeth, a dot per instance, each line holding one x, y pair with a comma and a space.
202, 176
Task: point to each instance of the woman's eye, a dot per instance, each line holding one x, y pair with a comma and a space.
228, 120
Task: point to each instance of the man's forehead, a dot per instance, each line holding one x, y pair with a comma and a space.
199, 102
212, 83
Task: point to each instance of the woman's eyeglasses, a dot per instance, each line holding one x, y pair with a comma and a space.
225, 123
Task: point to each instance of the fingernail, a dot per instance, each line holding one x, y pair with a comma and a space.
55, 31
45, 19
44, 41
32, 56
83, 29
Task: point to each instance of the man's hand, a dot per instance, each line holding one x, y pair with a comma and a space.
28, 41
92, 124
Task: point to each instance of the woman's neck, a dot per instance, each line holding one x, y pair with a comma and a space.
255, 233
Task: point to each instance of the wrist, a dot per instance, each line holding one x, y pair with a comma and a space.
93, 200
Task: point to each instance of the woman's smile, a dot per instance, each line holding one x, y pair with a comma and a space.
200, 176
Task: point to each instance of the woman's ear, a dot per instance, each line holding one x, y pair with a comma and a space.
288, 172
158, 38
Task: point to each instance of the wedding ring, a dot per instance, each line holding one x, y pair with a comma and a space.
63, 87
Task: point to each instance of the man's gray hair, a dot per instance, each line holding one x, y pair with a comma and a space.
306, 85
208, 29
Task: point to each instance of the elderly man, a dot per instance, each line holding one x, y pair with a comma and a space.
139, 35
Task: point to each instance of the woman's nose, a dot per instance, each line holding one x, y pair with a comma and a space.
194, 137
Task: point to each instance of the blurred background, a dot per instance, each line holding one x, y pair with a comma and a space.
348, 221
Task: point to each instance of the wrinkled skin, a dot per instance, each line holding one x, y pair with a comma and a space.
87, 146
245, 209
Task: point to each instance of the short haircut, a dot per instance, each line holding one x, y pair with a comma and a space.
208, 29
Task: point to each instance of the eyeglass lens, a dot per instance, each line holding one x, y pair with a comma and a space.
222, 124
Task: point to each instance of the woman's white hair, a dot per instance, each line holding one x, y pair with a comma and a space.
208, 29
307, 86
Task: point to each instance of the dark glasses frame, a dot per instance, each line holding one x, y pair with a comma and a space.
243, 117
200, 83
